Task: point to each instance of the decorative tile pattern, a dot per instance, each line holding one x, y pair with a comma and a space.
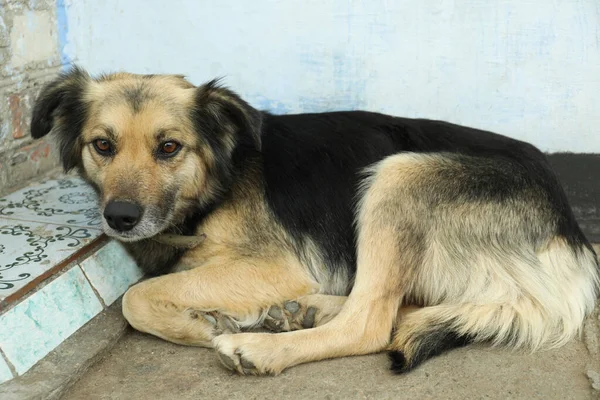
5, 374
38, 324
111, 271
42, 225
29, 249
67, 201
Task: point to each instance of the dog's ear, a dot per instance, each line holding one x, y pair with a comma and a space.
222, 115
60, 106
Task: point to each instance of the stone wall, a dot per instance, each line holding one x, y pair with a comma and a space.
30, 55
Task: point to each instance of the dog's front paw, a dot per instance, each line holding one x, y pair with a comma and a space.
221, 323
290, 316
248, 353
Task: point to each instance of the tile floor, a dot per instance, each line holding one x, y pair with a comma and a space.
50, 232
42, 225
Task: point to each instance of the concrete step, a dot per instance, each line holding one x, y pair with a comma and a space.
53, 375
57, 270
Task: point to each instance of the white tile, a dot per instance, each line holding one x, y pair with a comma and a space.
111, 271
29, 249
66, 201
5, 374
34, 327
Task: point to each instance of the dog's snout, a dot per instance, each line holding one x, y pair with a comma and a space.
122, 215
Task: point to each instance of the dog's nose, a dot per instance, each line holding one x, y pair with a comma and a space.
122, 215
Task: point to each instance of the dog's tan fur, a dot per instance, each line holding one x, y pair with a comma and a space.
412, 274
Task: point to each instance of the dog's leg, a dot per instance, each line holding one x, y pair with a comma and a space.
488, 265
363, 325
390, 247
305, 312
192, 307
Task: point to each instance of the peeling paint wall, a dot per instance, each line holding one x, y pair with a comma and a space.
29, 57
529, 69
526, 68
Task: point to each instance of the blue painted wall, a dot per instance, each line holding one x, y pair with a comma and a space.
526, 68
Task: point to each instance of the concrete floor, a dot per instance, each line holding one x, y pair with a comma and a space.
144, 367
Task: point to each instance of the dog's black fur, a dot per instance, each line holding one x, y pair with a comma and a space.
312, 167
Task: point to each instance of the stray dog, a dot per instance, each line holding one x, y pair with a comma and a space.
344, 233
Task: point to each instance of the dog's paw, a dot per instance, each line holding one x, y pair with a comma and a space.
221, 323
290, 316
247, 353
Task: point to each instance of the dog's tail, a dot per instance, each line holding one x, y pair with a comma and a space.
548, 313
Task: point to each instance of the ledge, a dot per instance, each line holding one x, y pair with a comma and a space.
57, 270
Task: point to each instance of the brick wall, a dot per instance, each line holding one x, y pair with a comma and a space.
30, 55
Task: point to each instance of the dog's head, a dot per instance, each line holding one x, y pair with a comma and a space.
155, 147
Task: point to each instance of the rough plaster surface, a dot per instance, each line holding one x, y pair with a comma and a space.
33, 38
504, 65
29, 57
525, 68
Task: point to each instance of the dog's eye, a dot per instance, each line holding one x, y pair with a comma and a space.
103, 147
169, 149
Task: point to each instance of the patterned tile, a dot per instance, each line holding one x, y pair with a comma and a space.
66, 201
5, 374
38, 324
30, 249
111, 271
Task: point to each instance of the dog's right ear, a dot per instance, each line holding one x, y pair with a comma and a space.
62, 108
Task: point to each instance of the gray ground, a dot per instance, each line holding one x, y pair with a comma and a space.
144, 367
147, 368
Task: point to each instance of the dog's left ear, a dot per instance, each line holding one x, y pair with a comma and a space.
224, 118
60, 106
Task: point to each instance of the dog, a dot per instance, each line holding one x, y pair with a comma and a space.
337, 233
